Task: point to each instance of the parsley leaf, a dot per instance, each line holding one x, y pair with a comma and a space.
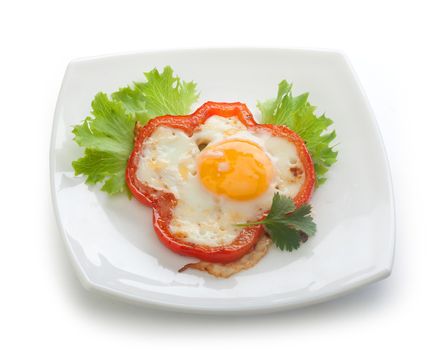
280, 206
108, 135
301, 220
283, 236
285, 224
299, 115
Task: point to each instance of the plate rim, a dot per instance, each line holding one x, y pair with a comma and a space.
283, 303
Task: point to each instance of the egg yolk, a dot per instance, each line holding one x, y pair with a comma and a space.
237, 169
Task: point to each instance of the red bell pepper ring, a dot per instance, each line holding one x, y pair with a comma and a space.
162, 203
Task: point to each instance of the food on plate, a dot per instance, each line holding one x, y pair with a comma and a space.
221, 185
204, 173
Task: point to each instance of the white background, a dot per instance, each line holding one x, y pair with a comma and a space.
390, 44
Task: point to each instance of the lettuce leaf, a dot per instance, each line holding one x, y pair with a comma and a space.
299, 115
165, 94
108, 140
108, 135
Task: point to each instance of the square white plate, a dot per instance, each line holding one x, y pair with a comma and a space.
111, 239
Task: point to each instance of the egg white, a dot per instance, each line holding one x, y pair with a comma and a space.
168, 163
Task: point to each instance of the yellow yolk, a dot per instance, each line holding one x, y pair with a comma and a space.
237, 169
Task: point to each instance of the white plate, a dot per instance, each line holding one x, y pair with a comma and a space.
111, 240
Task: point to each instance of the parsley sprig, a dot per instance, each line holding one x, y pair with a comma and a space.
285, 223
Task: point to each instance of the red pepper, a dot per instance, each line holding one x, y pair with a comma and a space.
163, 203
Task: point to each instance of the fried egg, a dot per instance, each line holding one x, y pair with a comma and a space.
221, 175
